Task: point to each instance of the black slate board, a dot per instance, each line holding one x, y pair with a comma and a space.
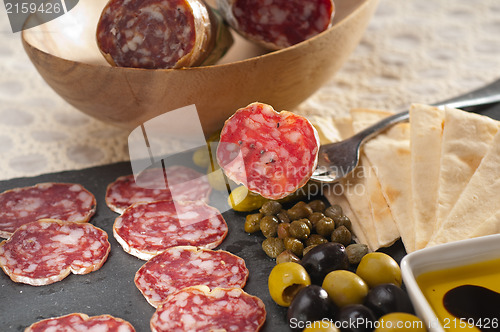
111, 289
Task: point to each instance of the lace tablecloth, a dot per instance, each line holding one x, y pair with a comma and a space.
412, 51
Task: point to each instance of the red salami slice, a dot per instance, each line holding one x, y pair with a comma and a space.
159, 34
146, 229
277, 24
64, 201
184, 184
45, 251
81, 322
270, 153
181, 267
199, 309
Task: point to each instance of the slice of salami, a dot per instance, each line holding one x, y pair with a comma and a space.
146, 229
199, 309
180, 267
272, 154
63, 201
277, 24
81, 322
45, 251
184, 184
156, 34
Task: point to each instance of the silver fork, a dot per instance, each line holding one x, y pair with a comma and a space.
337, 160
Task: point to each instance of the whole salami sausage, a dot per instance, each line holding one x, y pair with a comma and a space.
146, 229
184, 184
184, 266
45, 251
163, 34
199, 309
272, 154
64, 201
81, 322
276, 24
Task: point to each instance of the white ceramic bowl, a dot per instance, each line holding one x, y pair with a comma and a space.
442, 257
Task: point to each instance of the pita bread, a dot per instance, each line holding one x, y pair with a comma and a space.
383, 222
466, 138
389, 154
478, 202
426, 131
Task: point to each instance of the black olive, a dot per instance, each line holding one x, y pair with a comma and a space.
356, 318
310, 304
323, 259
387, 298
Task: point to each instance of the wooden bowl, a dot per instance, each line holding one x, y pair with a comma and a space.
65, 53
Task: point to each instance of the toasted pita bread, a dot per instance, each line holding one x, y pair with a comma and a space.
426, 131
477, 204
389, 154
466, 138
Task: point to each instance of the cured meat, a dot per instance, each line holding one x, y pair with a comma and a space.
146, 229
277, 24
272, 154
181, 267
81, 322
45, 251
199, 309
64, 201
157, 34
184, 184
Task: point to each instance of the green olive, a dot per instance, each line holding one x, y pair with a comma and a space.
345, 288
294, 245
325, 226
287, 256
252, 222
273, 247
341, 235
299, 230
270, 208
285, 280
333, 211
315, 239
315, 217
201, 157
243, 200
283, 230
269, 226
378, 268
405, 322
321, 326
317, 205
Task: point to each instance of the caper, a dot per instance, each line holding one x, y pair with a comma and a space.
315, 239
325, 226
343, 221
287, 256
283, 230
306, 249
317, 205
269, 226
252, 222
270, 208
315, 217
283, 216
299, 230
294, 245
334, 211
299, 210
273, 246
341, 235
355, 252
307, 222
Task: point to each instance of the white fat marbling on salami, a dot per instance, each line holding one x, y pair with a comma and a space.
184, 184
180, 267
146, 229
271, 153
45, 251
63, 201
81, 322
199, 309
